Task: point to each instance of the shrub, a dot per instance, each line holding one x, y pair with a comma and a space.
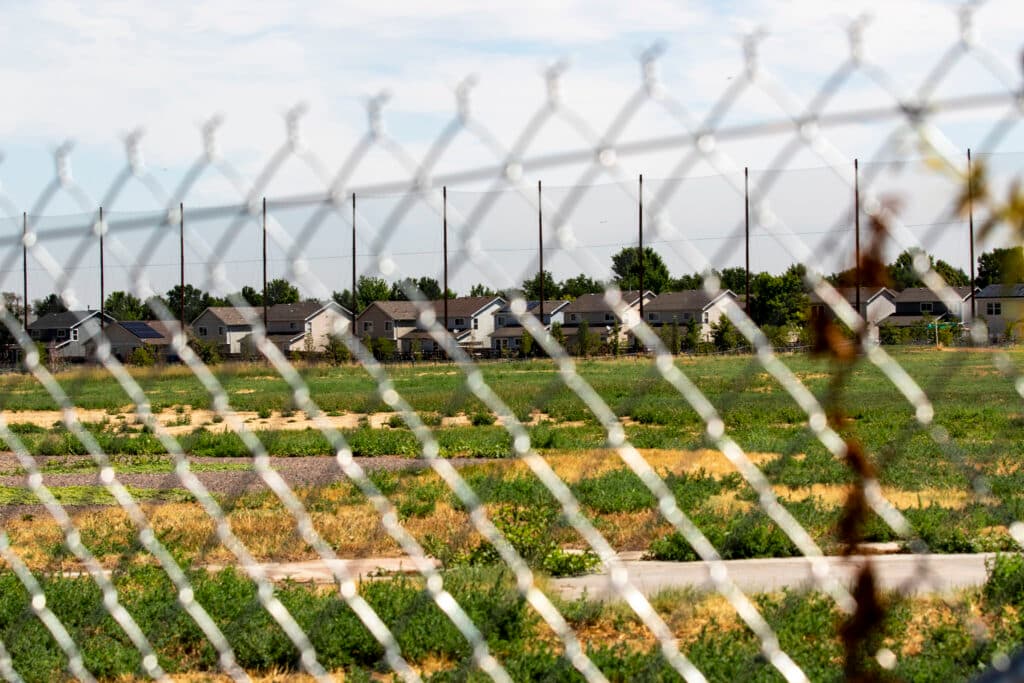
142, 357
1005, 584
482, 419
529, 531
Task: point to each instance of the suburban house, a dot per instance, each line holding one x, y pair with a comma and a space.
303, 326
876, 304
691, 307
306, 326
470, 321
65, 334
1002, 307
915, 304
600, 317
225, 326
508, 333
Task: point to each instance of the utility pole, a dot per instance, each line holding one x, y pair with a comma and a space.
540, 249
746, 221
640, 225
264, 265
354, 300
24, 266
856, 232
970, 221
102, 283
444, 219
181, 240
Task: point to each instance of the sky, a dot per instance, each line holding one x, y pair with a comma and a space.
92, 73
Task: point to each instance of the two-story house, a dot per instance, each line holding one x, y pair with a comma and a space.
470, 322
600, 317
915, 304
876, 304
303, 326
691, 307
1002, 307
66, 334
226, 326
508, 333
306, 326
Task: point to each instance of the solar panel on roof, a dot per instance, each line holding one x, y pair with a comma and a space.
141, 330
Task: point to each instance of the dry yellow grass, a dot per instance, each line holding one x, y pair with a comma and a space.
837, 494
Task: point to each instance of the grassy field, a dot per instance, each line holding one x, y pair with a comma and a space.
932, 639
960, 498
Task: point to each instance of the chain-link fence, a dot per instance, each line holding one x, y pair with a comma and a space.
806, 367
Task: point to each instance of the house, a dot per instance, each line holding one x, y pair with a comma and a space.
1002, 307
470, 321
225, 326
876, 304
687, 308
66, 334
508, 333
304, 327
600, 317
915, 304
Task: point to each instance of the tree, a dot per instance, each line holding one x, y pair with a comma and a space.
344, 299
48, 304
280, 291
531, 287
370, 289
558, 334
903, 275
733, 278
428, 287
575, 287
693, 336
526, 344
584, 339
626, 266
196, 301
481, 289
779, 299
671, 337
725, 335
251, 296
1000, 266
125, 306
685, 282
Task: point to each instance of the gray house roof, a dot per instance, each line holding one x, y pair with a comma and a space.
229, 315
1014, 291
913, 295
689, 300
595, 303
64, 321
867, 294
459, 307
550, 306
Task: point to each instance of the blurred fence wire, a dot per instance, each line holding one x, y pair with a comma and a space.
293, 224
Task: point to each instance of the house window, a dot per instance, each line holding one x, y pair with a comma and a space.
387, 325
63, 333
367, 326
687, 315
652, 316
476, 323
291, 326
74, 334
572, 317
608, 317
220, 331
460, 322
501, 321
202, 332
309, 328
706, 317
926, 306
994, 308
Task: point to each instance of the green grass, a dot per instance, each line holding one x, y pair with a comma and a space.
951, 639
91, 495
